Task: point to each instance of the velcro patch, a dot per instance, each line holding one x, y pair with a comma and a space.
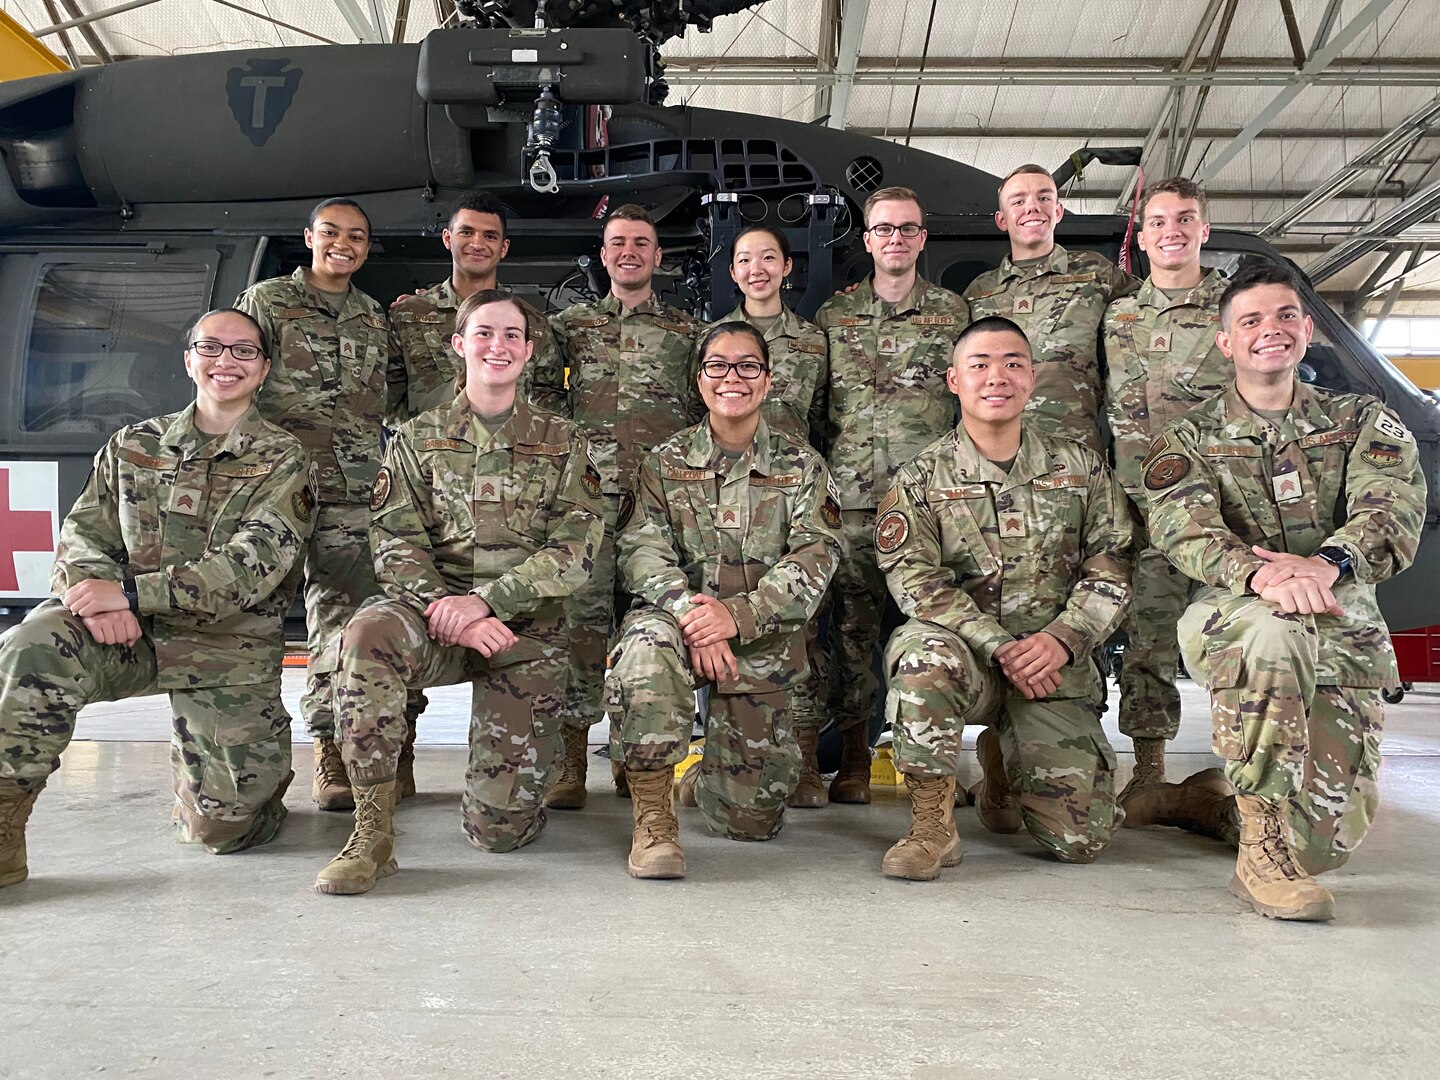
627, 510
1072, 279
932, 320
1125, 318
545, 449
968, 491
675, 327
375, 322
1326, 438
303, 503
443, 444
808, 347
295, 313
221, 468
830, 508
590, 480
1166, 471
590, 324
888, 502
779, 480
1051, 483
851, 320
1386, 424
1158, 447
147, 461
891, 532
670, 473
380, 490
1381, 455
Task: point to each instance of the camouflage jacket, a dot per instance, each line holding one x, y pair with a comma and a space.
887, 397
514, 518
421, 325
1340, 471
210, 531
992, 556
329, 378
799, 371
762, 535
1161, 360
632, 379
1059, 304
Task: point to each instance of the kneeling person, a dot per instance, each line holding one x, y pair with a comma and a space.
174, 571
728, 545
485, 516
1010, 552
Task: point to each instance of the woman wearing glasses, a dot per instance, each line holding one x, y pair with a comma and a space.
171, 576
728, 546
329, 387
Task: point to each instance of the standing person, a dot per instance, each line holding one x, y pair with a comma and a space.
1288, 504
1161, 360
728, 546
632, 386
423, 323
889, 341
760, 264
486, 516
1009, 549
1057, 297
332, 365
173, 574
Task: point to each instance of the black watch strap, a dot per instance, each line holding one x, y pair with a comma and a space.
132, 594
1339, 558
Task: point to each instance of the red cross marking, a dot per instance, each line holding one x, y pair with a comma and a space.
20, 530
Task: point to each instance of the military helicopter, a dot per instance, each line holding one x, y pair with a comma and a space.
136, 195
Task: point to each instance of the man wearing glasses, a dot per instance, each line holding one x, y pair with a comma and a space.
174, 571
1058, 298
728, 544
890, 342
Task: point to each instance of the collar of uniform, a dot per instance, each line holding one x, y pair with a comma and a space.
702, 451
355, 304
1057, 262
881, 309
443, 295
517, 431
1030, 460
1308, 411
1240, 421
788, 325
1204, 295
183, 436
612, 305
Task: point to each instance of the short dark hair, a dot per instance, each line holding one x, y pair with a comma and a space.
734, 326
476, 300
780, 239
1253, 273
479, 202
259, 330
629, 212
1023, 170
1180, 186
325, 204
991, 324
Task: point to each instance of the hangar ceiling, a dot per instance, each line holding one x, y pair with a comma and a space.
1315, 121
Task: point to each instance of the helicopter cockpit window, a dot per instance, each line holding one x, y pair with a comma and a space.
105, 345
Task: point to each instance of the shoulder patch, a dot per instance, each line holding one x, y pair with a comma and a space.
1381, 455
303, 503
1386, 424
830, 508
627, 510
891, 532
888, 502
1166, 471
1158, 447
590, 479
380, 491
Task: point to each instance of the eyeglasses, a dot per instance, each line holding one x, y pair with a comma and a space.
909, 230
746, 369
241, 350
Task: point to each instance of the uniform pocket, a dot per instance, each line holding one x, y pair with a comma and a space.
1225, 674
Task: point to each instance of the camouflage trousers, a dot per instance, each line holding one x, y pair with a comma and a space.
751, 761
860, 597
1314, 750
590, 615
514, 717
1059, 763
229, 745
339, 577
809, 699
1149, 700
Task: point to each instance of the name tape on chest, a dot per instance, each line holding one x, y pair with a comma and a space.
443, 444
778, 480
1054, 483
670, 472
1328, 438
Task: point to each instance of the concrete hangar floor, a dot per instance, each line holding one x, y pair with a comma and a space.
128, 954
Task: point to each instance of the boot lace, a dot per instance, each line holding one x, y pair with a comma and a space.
331, 769
368, 821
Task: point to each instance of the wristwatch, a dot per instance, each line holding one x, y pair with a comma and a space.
127, 586
1339, 558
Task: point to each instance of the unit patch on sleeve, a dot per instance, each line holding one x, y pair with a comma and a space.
830, 508
627, 510
1166, 471
891, 532
380, 492
1381, 455
303, 503
591, 480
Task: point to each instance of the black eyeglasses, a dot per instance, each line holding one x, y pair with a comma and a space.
241, 350
746, 369
909, 230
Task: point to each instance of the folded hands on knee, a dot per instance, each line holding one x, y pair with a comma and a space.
105, 610
1032, 663
1296, 584
468, 621
707, 629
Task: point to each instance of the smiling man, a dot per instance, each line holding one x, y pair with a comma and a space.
1009, 550
1288, 504
1057, 297
1161, 360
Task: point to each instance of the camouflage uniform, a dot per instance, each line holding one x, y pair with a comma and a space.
421, 325
887, 400
632, 385
328, 383
1059, 304
1160, 361
1295, 699
977, 558
761, 533
513, 518
795, 405
210, 530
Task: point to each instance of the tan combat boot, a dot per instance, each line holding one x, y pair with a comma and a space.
568, 793
932, 841
405, 767
369, 854
852, 782
15, 805
685, 786
1203, 803
1149, 771
810, 791
1267, 877
332, 786
995, 803
655, 850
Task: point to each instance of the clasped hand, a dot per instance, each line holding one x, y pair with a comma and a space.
1296, 584
1033, 663
105, 610
468, 621
707, 629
